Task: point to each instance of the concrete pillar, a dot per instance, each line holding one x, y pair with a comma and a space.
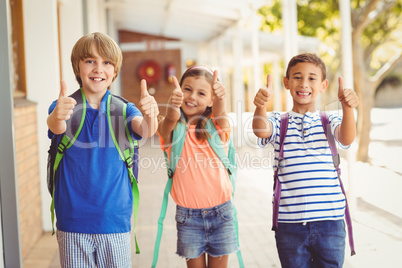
42, 76
10, 248
237, 77
277, 86
255, 50
289, 19
347, 73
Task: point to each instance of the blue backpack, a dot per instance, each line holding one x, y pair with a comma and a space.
125, 145
229, 161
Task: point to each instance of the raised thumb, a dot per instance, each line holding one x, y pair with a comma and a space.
340, 89
63, 89
144, 90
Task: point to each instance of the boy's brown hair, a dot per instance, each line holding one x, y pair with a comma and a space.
106, 47
307, 57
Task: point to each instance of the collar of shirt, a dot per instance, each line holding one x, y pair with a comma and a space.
103, 104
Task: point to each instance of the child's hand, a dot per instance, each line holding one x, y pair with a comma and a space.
218, 89
65, 105
148, 105
176, 99
264, 94
347, 97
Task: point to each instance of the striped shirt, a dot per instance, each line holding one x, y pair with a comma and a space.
309, 181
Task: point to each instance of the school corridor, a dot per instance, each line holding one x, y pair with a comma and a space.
377, 213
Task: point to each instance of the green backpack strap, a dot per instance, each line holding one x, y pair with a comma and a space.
126, 146
229, 161
74, 126
178, 138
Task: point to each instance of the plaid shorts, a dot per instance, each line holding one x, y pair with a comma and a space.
94, 250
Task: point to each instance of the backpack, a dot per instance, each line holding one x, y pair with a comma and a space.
229, 161
125, 145
336, 160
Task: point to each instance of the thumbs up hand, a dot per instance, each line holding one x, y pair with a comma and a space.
264, 94
217, 87
175, 101
65, 105
147, 104
347, 97
176, 98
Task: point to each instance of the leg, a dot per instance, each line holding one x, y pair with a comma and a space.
199, 262
218, 262
113, 250
76, 250
328, 241
292, 242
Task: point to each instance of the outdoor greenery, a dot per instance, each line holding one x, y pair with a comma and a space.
377, 46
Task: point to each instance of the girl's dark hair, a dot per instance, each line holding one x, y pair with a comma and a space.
199, 71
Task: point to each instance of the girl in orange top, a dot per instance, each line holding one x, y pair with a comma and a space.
201, 187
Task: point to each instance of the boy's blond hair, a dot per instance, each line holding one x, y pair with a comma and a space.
106, 47
307, 57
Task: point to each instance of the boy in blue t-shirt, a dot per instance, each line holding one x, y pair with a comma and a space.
92, 196
311, 229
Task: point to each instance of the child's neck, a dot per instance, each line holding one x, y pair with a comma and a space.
94, 99
303, 110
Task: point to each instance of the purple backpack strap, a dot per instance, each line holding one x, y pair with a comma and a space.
336, 159
277, 185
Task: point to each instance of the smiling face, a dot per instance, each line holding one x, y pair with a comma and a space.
197, 93
97, 59
96, 73
305, 82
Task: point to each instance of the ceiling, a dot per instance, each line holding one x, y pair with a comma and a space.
187, 20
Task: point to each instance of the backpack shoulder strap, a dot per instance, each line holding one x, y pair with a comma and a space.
282, 133
336, 159
178, 137
229, 161
277, 185
126, 146
117, 119
331, 140
74, 126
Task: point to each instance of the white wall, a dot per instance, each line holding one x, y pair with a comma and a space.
71, 29
42, 62
42, 76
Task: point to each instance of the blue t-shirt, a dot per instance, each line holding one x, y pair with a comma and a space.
93, 191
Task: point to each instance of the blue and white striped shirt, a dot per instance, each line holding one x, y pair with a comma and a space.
309, 181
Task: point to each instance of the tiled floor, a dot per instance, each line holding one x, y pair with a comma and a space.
44, 254
377, 215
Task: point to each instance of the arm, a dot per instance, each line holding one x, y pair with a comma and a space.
56, 121
147, 125
346, 132
219, 104
262, 128
168, 122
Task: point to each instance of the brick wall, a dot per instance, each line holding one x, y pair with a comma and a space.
26, 146
132, 60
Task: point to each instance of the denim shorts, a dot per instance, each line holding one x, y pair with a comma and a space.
207, 230
312, 244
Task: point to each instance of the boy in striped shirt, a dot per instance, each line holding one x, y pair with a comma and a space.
311, 229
